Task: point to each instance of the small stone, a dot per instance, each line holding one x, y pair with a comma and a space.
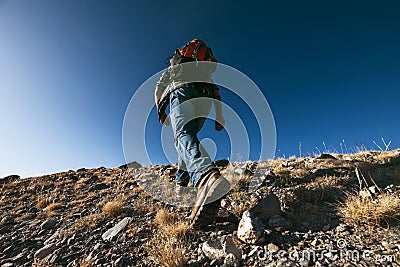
133, 165
230, 247
221, 163
193, 263
325, 228
45, 251
279, 223
7, 219
119, 262
49, 224
231, 261
111, 233
238, 171
99, 186
52, 238
213, 249
315, 242
224, 203
326, 156
304, 263
272, 247
267, 208
251, 229
254, 250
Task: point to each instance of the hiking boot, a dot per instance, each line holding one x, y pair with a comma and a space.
212, 187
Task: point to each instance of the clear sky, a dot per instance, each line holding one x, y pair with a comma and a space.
330, 71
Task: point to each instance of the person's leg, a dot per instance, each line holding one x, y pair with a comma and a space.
184, 114
182, 175
185, 111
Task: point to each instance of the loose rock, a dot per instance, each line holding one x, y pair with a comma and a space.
45, 251
267, 208
251, 229
111, 233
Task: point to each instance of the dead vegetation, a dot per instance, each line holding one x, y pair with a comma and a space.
370, 205
43, 203
113, 208
240, 201
299, 173
170, 242
86, 223
365, 210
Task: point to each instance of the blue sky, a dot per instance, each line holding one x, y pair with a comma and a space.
68, 69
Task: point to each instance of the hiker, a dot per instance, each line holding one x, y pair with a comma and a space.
187, 86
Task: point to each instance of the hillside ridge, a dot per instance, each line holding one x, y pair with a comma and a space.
276, 211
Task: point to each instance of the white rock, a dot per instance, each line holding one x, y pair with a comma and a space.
251, 229
111, 233
213, 249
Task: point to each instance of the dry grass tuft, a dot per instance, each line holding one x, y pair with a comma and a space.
53, 206
373, 211
168, 245
164, 217
25, 217
43, 203
316, 194
240, 202
178, 229
281, 172
113, 208
167, 250
23, 197
277, 163
144, 204
85, 263
170, 223
87, 223
384, 157
299, 173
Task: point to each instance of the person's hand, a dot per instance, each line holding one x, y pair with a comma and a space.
219, 123
164, 120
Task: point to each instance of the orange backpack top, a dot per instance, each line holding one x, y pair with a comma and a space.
195, 50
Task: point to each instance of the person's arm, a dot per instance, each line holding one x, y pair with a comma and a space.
157, 96
160, 88
219, 118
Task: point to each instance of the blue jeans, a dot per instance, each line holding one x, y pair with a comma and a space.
189, 108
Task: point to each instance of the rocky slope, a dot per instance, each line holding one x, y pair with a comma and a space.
294, 216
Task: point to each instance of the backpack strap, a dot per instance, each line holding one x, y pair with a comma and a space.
196, 50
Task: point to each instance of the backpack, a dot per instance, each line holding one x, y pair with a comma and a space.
195, 50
